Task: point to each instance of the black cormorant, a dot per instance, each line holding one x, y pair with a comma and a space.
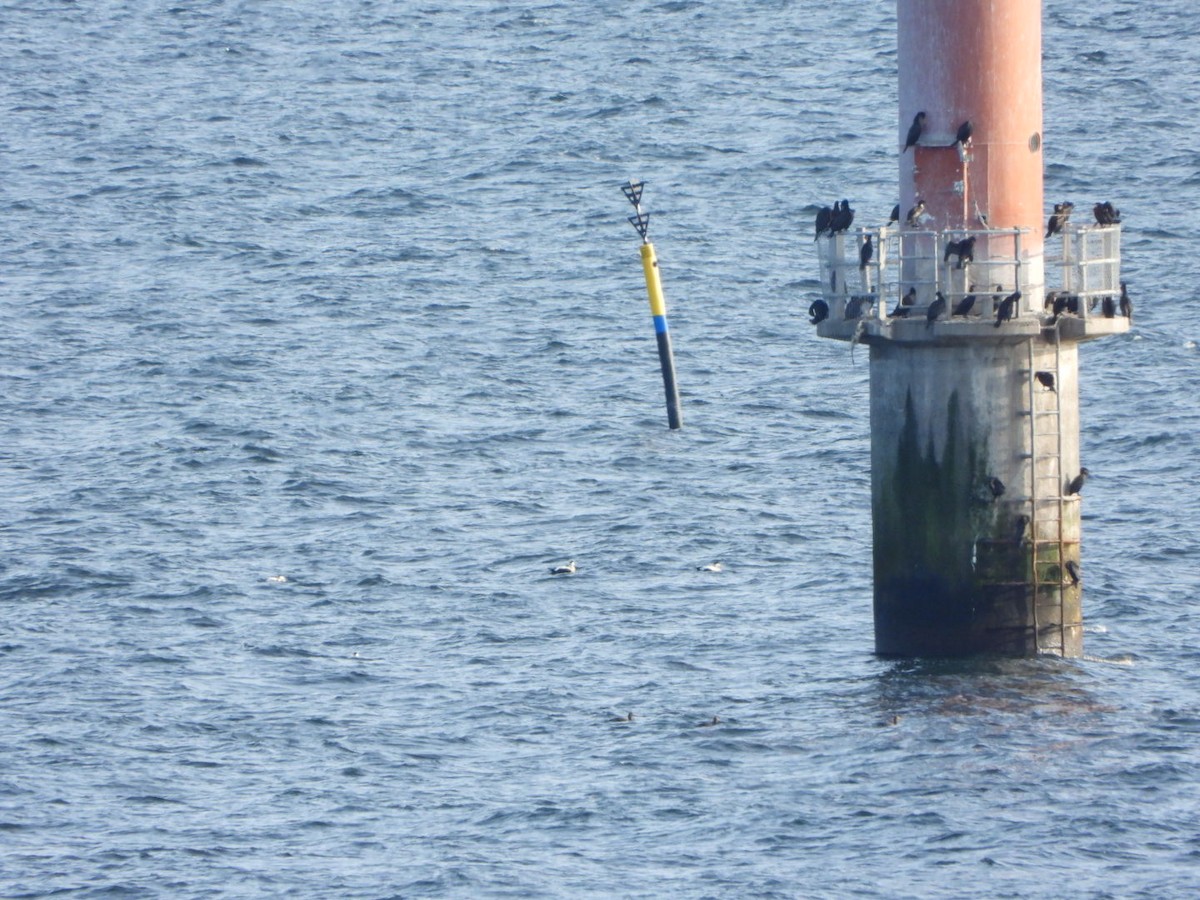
1126, 304
1022, 524
1005, 310
963, 308
966, 251
1062, 212
1045, 379
818, 311
914, 131
905, 304
824, 218
1077, 482
1106, 213
865, 252
936, 308
843, 217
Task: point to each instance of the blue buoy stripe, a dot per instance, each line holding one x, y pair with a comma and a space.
660, 324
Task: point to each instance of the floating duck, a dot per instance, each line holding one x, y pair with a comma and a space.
568, 569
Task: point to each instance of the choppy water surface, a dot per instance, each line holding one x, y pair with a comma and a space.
345, 295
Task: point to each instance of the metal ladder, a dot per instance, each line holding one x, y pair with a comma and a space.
1047, 499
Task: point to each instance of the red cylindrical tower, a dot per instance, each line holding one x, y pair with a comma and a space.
977, 61
976, 527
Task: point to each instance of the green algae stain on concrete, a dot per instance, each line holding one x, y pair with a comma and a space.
933, 521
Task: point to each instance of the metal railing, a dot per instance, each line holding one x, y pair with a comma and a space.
905, 260
916, 260
1088, 267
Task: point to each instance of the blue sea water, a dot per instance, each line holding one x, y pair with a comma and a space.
325, 337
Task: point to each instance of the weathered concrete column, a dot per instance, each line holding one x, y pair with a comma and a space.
974, 381
954, 562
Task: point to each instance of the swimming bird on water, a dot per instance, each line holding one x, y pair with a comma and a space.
914, 131
1045, 379
1077, 482
818, 311
1005, 311
628, 717
710, 567
716, 720
568, 569
1126, 304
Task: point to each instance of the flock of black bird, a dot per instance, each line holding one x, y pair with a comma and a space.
1104, 212
834, 219
838, 218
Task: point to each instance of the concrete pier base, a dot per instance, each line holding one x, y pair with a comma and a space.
972, 529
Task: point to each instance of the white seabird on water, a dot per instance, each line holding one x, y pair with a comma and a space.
277, 579
711, 567
568, 569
